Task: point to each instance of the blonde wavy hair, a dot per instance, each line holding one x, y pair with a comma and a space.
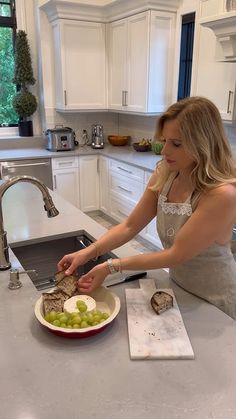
202, 134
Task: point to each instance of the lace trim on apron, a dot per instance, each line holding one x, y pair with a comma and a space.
174, 208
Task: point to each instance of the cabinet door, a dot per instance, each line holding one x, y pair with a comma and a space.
104, 185
215, 80
136, 90
117, 38
79, 64
89, 183
66, 184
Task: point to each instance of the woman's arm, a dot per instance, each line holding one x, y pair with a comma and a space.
213, 219
142, 214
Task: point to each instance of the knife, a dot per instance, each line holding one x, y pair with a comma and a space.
121, 278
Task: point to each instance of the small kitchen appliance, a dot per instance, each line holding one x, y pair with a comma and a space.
97, 136
60, 139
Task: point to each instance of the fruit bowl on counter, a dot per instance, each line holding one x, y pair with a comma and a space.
118, 140
143, 145
101, 299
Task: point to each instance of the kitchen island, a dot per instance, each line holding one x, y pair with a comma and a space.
45, 376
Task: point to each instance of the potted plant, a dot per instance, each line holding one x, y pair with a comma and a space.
24, 102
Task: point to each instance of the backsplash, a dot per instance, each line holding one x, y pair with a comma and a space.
137, 126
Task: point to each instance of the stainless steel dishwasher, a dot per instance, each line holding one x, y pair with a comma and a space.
39, 168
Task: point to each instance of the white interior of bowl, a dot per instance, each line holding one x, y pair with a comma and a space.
105, 301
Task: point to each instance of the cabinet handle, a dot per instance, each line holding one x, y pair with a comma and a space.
98, 166
124, 189
124, 170
122, 213
126, 94
123, 98
55, 181
229, 97
65, 98
67, 163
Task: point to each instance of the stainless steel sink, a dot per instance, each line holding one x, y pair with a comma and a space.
43, 256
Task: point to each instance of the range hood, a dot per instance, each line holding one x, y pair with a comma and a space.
224, 27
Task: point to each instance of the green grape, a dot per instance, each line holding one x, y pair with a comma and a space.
75, 326
83, 324
81, 303
76, 320
47, 317
82, 308
96, 318
63, 319
89, 318
63, 325
105, 316
69, 326
52, 316
95, 323
56, 323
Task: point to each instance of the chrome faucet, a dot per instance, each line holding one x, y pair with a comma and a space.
48, 206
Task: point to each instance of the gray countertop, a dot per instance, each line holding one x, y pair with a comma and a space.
45, 376
126, 154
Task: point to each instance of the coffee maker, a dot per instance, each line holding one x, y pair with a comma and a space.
97, 136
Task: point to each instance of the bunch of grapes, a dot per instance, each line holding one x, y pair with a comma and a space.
77, 320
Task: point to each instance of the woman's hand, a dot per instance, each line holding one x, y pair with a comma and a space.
93, 279
70, 262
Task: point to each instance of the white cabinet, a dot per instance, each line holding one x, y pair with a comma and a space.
215, 80
89, 183
104, 184
66, 178
80, 64
126, 188
140, 62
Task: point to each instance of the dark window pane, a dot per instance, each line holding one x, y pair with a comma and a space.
186, 53
7, 87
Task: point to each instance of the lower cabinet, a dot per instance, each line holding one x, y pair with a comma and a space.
89, 182
65, 173
104, 185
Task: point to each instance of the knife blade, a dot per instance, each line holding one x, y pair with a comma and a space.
121, 278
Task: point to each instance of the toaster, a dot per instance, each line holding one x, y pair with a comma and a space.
60, 139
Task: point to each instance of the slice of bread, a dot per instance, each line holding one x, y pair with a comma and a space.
52, 303
66, 283
161, 301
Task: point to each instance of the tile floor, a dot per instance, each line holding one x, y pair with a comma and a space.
138, 243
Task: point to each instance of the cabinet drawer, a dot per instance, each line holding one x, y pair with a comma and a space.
127, 188
119, 210
64, 162
127, 170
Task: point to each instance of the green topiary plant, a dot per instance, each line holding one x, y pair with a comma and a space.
24, 102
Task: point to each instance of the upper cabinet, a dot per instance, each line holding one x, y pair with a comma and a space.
140, 53
215, 76
80, 65
220, 17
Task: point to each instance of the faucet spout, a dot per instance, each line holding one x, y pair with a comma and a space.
48, 205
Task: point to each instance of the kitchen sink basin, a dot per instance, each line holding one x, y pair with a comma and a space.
43, 256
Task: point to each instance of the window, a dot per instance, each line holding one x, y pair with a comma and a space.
8, 117
186, 55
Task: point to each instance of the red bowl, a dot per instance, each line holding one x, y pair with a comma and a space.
105, 301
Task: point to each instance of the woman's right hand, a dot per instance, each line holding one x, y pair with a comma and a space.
70, 262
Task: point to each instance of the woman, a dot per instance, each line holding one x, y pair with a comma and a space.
193, 194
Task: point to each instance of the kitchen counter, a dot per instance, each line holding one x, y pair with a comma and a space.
126, 154
44, 376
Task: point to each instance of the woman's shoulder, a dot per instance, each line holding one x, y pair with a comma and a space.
224, 194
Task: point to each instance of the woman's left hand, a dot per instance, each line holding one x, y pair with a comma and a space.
93, 279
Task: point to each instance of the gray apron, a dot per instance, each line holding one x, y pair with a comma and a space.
211, 275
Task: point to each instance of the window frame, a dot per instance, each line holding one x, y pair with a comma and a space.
9, 22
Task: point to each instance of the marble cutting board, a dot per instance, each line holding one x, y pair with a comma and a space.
153, 336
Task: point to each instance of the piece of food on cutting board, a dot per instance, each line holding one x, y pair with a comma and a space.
161, 301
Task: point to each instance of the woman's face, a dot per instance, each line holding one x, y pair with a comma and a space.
174, 153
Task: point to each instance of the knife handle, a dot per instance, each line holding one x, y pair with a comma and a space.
135, 276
